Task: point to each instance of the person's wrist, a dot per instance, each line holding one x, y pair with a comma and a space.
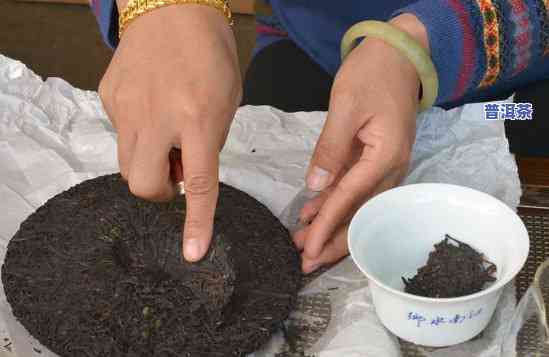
389, 55
406, 35
414, 27
130, 11
166, 22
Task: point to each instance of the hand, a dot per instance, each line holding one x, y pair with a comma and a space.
174, 81
365, 145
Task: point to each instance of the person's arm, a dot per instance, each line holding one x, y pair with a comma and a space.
483, 45
477, 46
174, 81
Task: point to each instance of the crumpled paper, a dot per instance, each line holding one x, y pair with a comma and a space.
53, 136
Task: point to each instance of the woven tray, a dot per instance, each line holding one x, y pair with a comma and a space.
537, 222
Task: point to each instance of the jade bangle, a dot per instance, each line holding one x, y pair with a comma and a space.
404, 43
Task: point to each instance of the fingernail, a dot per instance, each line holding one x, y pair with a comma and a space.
318, 179
191, 250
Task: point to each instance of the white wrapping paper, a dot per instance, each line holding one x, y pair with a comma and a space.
53, 136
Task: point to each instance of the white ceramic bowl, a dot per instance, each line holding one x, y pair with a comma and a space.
392, 235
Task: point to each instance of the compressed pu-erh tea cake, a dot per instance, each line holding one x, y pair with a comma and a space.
97, 271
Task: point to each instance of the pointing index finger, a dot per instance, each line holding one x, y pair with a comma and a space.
200, 162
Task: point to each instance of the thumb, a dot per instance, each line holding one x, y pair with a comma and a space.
334, 147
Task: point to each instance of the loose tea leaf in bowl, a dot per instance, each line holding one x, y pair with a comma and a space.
97, 272
453, 269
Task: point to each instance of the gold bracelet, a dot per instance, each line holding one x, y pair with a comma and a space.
136, 8
407, 45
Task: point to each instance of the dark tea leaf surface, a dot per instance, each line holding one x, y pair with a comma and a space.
453, 269
97, 272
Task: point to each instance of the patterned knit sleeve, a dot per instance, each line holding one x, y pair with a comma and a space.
480, 44
106, 14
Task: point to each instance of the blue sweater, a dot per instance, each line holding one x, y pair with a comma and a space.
481, 48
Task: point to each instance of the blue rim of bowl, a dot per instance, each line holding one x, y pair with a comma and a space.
500, 283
